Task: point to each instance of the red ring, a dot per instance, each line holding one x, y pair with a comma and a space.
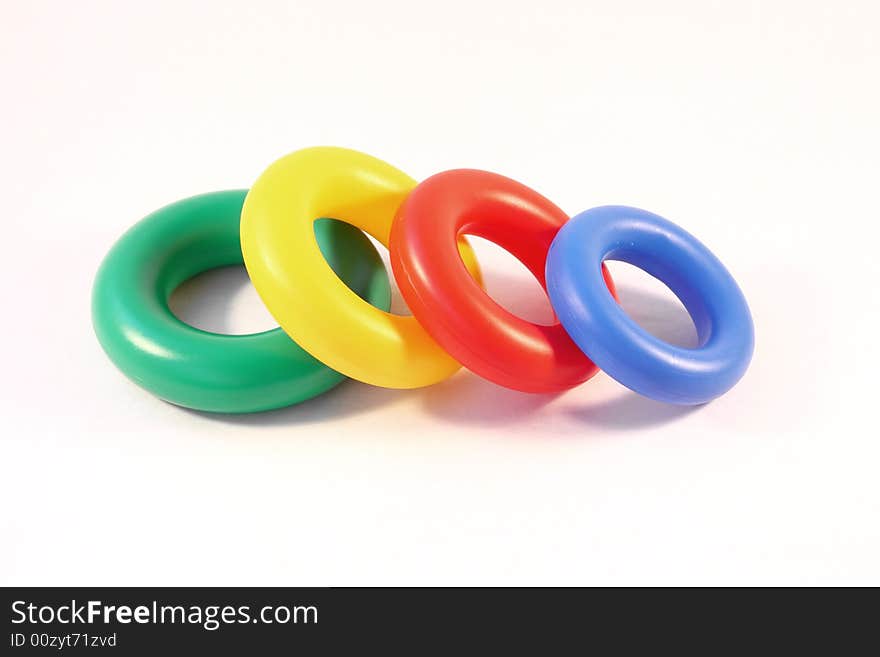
456, 312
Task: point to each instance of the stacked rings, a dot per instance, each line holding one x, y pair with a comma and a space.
300, 230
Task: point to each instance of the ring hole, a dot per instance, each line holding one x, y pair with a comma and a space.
221, 300
510, 284
652, 305
398, 305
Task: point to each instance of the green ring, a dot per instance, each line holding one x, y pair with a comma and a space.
198, 369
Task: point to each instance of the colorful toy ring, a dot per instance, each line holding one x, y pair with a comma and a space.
619, 345
467, 322
301, 291
198, 369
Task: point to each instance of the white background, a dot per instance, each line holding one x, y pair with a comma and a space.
755, 125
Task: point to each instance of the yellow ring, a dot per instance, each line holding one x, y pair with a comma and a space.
309, 301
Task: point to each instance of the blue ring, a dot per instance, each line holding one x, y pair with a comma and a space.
617, 344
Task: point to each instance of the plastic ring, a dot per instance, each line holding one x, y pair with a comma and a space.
619, 345
198, 369
485, 337
301, 291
